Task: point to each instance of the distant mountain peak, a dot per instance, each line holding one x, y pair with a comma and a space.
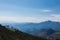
49, 21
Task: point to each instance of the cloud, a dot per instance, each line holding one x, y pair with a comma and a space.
46, 10
55, 17
20, 19
52, 17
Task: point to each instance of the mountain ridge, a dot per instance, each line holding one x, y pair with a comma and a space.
33, 28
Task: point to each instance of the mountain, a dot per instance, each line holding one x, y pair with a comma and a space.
55, 36
36, 28
14, 34
45, 33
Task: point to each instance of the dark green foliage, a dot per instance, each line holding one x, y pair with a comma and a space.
8, 34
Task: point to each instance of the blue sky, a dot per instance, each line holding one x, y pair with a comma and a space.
29, 10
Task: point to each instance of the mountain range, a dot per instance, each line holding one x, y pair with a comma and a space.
47, 29
36, 28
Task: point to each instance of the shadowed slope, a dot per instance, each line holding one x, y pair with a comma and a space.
9, 34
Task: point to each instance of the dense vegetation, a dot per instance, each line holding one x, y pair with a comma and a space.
14, 34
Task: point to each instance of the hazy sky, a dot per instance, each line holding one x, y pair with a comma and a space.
29, 10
